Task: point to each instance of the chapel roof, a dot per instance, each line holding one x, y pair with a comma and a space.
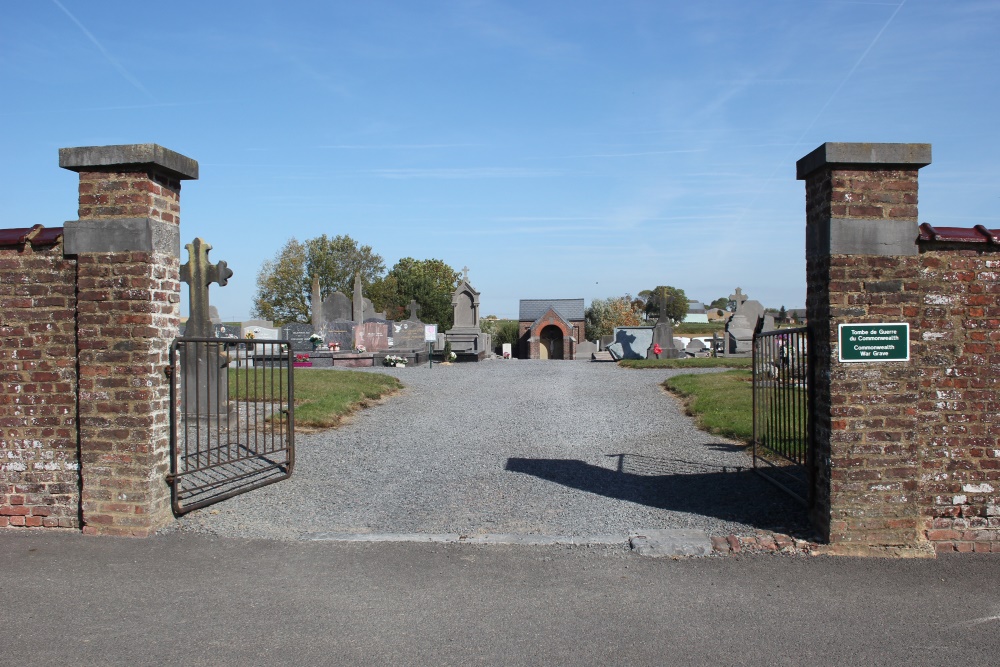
569, 309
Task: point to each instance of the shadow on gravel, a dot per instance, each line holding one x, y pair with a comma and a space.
730, 493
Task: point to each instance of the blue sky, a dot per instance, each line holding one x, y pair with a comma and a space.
557, 149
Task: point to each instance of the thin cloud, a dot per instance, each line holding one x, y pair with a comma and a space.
397, 146
458, 173
111, 59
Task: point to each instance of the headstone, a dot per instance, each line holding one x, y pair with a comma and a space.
633, 341
206, 385
408, 335
695, 347
260, 335
740, 328
663, 335
337, 307
373, 334
506, 351
466, 336
297, 334
358, 302
213, 315
316, 303
341, 332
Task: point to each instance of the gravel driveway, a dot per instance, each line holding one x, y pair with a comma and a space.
544, 448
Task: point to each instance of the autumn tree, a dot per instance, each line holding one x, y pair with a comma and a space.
604, 315
284, 283
430, 282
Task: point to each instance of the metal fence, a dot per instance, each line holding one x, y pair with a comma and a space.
781, 407
232, 422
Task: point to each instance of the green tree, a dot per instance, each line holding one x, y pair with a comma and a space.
430, 282
280, 297
604, 315
669, 302
284, 283
336, 260
782, 315
722, 303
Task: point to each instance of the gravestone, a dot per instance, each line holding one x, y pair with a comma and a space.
297, 334
466, 337
261, 334
206, 385
740, 328
337, 307
695, 347
663, 335
409, 334
341, 332
373, 334
632, 341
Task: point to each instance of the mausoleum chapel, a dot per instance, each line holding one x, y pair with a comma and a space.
550, 328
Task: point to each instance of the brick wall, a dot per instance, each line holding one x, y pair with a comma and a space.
89, 448
39, 469
528, 341
906, 451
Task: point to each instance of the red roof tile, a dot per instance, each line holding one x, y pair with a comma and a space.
38, 235
977, 234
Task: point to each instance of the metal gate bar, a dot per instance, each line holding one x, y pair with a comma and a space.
781, 408
232, 418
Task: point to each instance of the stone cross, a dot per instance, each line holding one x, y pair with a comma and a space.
739, 298
465, 274
199, 274
414, 308
359, 303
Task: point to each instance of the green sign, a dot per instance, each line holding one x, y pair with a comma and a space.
874, 342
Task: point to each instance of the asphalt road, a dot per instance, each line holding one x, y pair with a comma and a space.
184, 599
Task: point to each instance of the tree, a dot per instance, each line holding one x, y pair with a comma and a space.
284, 284
430, 282
336, 261
782, 315
604, 315
722, 303
280, 297
668, 302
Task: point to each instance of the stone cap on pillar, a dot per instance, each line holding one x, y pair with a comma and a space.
128, 156
843, 154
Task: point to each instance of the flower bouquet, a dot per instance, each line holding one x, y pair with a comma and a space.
393, 360
360, 349
316, 340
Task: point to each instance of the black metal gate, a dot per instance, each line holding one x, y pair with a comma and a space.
232, 418
782, 400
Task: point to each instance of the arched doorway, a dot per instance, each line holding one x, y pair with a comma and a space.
550, 343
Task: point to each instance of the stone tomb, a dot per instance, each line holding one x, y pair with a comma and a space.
340, 332
297, 334
261, 334
373, 334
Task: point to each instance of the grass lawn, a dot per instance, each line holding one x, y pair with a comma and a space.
323, 397
722, 403
689, 362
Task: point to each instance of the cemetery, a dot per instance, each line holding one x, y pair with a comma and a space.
875, 423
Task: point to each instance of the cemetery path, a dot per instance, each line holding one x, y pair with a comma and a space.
517, 447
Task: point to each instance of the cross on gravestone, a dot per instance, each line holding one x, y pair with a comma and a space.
414, 308
465, 274
739, 297
199, 274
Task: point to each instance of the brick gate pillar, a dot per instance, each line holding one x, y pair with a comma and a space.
127, 243
862, 267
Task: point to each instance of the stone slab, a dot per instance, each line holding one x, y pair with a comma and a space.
672, 543
86, 158
121, 235
858, 236
297, 334
909, 156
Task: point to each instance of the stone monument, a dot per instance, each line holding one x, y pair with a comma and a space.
466, 338
205, 382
